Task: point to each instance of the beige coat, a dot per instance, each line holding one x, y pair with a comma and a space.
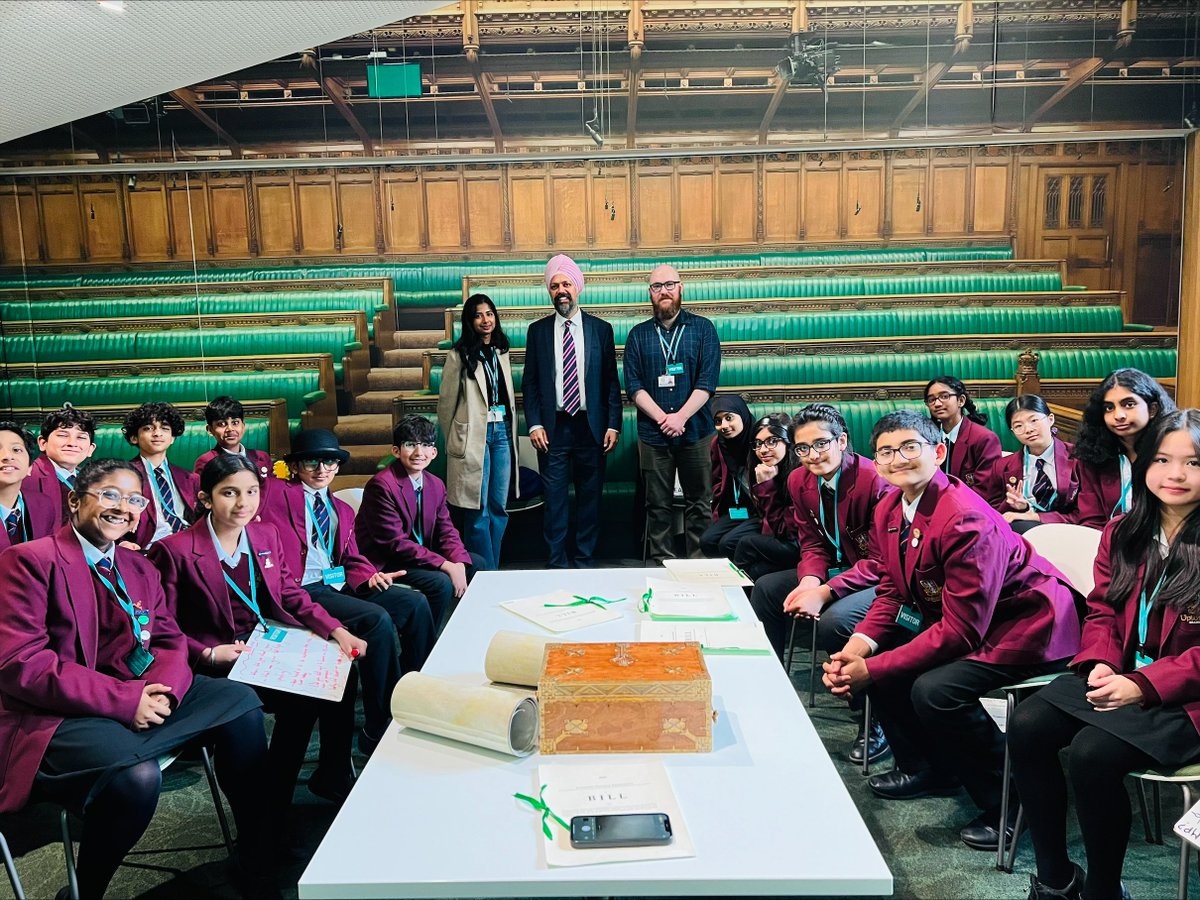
462, 416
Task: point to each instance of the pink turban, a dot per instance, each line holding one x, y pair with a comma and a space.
564, 265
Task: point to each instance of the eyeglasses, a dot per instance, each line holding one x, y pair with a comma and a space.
908, 450
413, 445
1030, 425
770, 443
110, 498
659, 286
802, 450
939, 398
311, 465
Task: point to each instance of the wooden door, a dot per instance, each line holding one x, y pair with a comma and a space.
1076, 222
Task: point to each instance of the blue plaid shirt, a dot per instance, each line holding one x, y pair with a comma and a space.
698, 349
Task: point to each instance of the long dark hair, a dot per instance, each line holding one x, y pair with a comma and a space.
469, 344
960, 390
1134, 537
1025, 403
217, 470
779, 425
1095, 443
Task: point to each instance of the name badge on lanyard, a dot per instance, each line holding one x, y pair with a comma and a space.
138, 659
1140, 657
673, 368
910, 618
335, 577
495, 414
738, 512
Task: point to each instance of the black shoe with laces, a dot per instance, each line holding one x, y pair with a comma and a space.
876, 745
1073, 891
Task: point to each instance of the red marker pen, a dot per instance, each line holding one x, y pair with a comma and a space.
354, 653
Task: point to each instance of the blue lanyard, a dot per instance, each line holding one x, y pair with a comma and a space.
836, 538
252, 600
137, 618
669, 349
1144, 609
1126, 484
24, 517
162, 504
491, 371
737, 488
327, 546
63, 478
1031, 470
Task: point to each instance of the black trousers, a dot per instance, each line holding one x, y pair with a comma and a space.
438, 590
572, 457
763, 554
721, 538
934, 719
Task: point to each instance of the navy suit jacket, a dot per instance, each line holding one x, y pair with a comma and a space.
601, 389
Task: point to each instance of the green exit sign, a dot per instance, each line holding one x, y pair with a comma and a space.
394, 80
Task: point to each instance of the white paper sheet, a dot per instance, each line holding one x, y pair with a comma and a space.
679, 600
1188, 827
294, 660
605, 790
707, 571
733, 638
561, 611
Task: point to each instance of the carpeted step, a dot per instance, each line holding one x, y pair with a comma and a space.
364, 458
409, 356
418, 339
372, 428
394, 380
343, 481
374, 402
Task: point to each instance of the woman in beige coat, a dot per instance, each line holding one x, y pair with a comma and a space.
479, 420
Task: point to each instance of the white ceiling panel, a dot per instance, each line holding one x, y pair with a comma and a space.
61, 60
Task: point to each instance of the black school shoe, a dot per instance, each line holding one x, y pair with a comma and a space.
897, 785
981, 834
878, 744
1073, 891
331, 787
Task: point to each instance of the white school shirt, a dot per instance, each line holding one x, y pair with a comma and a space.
317, 560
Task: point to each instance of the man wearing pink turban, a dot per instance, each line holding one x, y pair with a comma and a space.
572, 403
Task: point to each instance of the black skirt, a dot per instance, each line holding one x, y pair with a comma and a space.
86, 751
1165, 733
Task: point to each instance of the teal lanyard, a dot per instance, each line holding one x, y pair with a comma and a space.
669, 349
24, 517
1126, 484
491, 372
1144, 610
162, 504
418, 527
322, 543
836, 538
63, 479
252, 600
1031, 470
137, 618
734, 480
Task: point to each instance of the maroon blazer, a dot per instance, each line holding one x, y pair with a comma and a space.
194, 584
722, 482
983, 592
1099, 492
1110, 636
49, 633
260, 459
976, 455
186, 485
42, 479
775, 507
860, 488
1011, 470
385, 519
284, 508
41, 517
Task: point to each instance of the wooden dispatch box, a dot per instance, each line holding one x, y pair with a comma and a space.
625, 698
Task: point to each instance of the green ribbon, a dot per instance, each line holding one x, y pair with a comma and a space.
740, 572
645, 607
581, 600
539, 803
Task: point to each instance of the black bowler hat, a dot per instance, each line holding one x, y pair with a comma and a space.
316, 443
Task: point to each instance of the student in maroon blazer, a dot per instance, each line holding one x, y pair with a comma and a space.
24, 516
319, 546
732, 511
1118, 413
964, 606
393, 536
972, 450
212, 575
771, 461
834, 493
1135, 703
1041, 483
95, 684
68, 437
152, 428
226, 420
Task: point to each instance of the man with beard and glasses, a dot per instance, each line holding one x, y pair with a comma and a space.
572, 404
672, 365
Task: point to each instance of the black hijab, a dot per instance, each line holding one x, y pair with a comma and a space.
736, 449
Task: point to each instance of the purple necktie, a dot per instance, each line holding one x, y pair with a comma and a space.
570, 374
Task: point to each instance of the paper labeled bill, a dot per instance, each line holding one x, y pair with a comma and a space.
731, 638
708, 571
294, 660
1188, 827
561, 611
678, 600
608, 790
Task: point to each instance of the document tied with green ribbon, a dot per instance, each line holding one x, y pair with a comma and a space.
561, 611
674, 600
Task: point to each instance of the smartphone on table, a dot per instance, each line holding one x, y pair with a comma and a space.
621, 830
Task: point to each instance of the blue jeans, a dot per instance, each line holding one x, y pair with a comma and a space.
484, 527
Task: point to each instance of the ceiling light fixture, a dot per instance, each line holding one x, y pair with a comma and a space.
112, 5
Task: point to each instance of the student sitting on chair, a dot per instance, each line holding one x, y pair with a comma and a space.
964, 606
68, 437
26, 514
224, 577
1041, 483
731, 478
95, 686
152, 428
1134, 702
834, 494
226, 420
770, 462
321, 552
972, 450
1117, 414
404, 522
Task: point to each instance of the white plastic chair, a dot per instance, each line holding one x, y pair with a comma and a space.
352, 497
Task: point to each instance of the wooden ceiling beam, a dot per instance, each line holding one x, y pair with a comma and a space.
781, 86
187, 99
932, 76
87, 139
1081, 72
336, 92
470, 38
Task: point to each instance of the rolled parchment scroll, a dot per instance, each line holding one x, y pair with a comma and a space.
479, 715
515, 658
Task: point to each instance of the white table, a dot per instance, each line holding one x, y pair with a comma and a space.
766, 809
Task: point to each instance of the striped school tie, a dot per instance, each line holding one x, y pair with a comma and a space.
1043, 490
168, 500
570, 373
13, 525
321, 521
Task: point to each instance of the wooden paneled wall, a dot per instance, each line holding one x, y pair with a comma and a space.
541, 207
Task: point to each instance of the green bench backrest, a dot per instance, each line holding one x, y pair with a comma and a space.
194, 441
1157, 362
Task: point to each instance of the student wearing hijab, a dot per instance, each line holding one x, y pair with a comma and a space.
728, 452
